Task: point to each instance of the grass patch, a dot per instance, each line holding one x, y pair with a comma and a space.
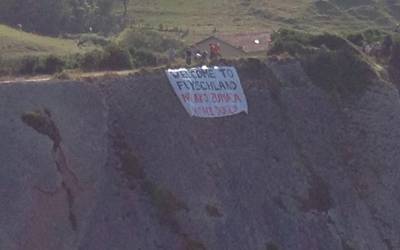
15, 43
201, 18
147, 40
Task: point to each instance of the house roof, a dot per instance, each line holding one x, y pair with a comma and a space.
247, 42
207, 40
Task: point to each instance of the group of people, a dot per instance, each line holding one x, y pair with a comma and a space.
199, 56
202, 56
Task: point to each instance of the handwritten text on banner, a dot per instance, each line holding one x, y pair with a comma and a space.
209, 92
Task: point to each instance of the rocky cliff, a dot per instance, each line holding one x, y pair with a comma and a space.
118, 164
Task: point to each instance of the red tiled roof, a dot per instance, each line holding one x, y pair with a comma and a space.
248, 41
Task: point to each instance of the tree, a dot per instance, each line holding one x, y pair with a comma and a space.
54, 17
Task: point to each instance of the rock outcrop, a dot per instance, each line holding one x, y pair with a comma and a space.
118, 164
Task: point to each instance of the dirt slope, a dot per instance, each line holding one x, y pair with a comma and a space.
118, 164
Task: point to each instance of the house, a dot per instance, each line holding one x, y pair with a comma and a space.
237, 45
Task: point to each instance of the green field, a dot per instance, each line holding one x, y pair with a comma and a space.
14, 43
202, 18
229, 16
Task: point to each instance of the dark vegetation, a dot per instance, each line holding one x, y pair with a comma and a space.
135, 48
331, 61
41, 65
165, 201
394, 62
41, 121
61, 16
334, 62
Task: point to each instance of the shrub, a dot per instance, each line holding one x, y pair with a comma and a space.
330, 41
50, 65
143, 58
374, 35
367, 36
300, 43
290, 41
6, 67
394, 61
395, 57
28, 65
62, 76
112, 57
339, 71
357, 39
72, 61
40, 120
91, 60
330, 61
115, 57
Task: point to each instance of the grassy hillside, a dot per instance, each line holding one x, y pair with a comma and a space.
228, 16
191, 20
14, 43
201, 18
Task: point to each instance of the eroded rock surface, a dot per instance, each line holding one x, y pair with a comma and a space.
118, 164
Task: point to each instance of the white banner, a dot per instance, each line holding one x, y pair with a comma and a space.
209, 92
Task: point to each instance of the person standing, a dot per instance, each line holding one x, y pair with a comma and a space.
212, 51
204, 56
188, 56
171, 55
217, 50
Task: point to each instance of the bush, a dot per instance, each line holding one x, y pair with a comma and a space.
28, 65
31, 65
330, 41
50, 65
115, 57
142, 58
330, 61
62, 76
367, 37
290, 41
395, 57
374, 35
339, 71
91, 60
112, 57
357, 39
299, 43
5, 67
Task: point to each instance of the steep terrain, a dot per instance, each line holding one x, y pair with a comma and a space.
118, 164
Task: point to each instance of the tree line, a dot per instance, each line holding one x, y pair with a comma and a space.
55, 17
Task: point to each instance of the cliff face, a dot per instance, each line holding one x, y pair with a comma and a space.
118, 164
